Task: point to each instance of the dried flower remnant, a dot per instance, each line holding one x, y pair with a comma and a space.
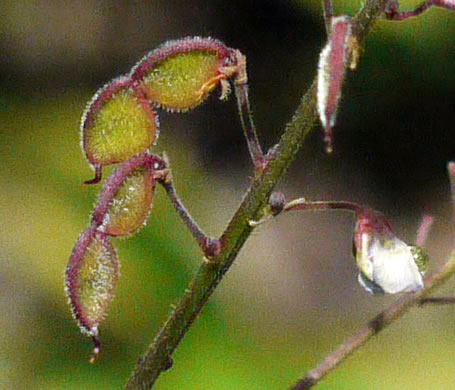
386, 263
91, 278
340, 52
117, 124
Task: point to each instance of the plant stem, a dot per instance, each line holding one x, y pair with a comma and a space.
451, 173
424, 230
438, 300
209, 246
381, 321
158, 356
302, 204
249, 128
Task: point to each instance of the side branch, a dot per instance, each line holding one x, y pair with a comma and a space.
158, 357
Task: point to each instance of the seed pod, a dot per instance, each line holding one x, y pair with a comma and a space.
117, 124
91, 277
127, 196
180, 74
131, 205
341, 51
386, 263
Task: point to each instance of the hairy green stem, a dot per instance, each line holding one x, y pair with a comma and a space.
158, 356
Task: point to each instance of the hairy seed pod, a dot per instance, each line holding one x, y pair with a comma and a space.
126, 199
180, 74
117, 124
131, 205
91, 277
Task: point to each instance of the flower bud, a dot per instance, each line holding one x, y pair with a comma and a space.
180, 74
386, 263
341, 51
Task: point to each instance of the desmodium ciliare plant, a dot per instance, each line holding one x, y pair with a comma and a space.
121, 125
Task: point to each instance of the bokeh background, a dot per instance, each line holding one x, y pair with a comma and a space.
292, 295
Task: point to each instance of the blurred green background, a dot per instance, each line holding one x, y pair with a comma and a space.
292, 295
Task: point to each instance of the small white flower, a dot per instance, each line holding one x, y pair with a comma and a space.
387, 265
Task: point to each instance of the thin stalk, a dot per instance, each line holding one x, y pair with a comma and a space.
302, 204
209, 246
424, 230
438, 300
249, 128
451, 173
277, 206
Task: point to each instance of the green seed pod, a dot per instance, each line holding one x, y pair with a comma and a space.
180, 74
117, 124
131, 205
91, 277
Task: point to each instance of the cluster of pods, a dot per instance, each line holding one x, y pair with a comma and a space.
121, 120
120, 125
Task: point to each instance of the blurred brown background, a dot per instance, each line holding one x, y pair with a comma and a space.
292, 295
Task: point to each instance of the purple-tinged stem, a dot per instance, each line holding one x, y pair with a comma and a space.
277, 206
246, 118
392, 13
438, 300
424, 229
210, 246
451, 174
302, 204
246, 115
